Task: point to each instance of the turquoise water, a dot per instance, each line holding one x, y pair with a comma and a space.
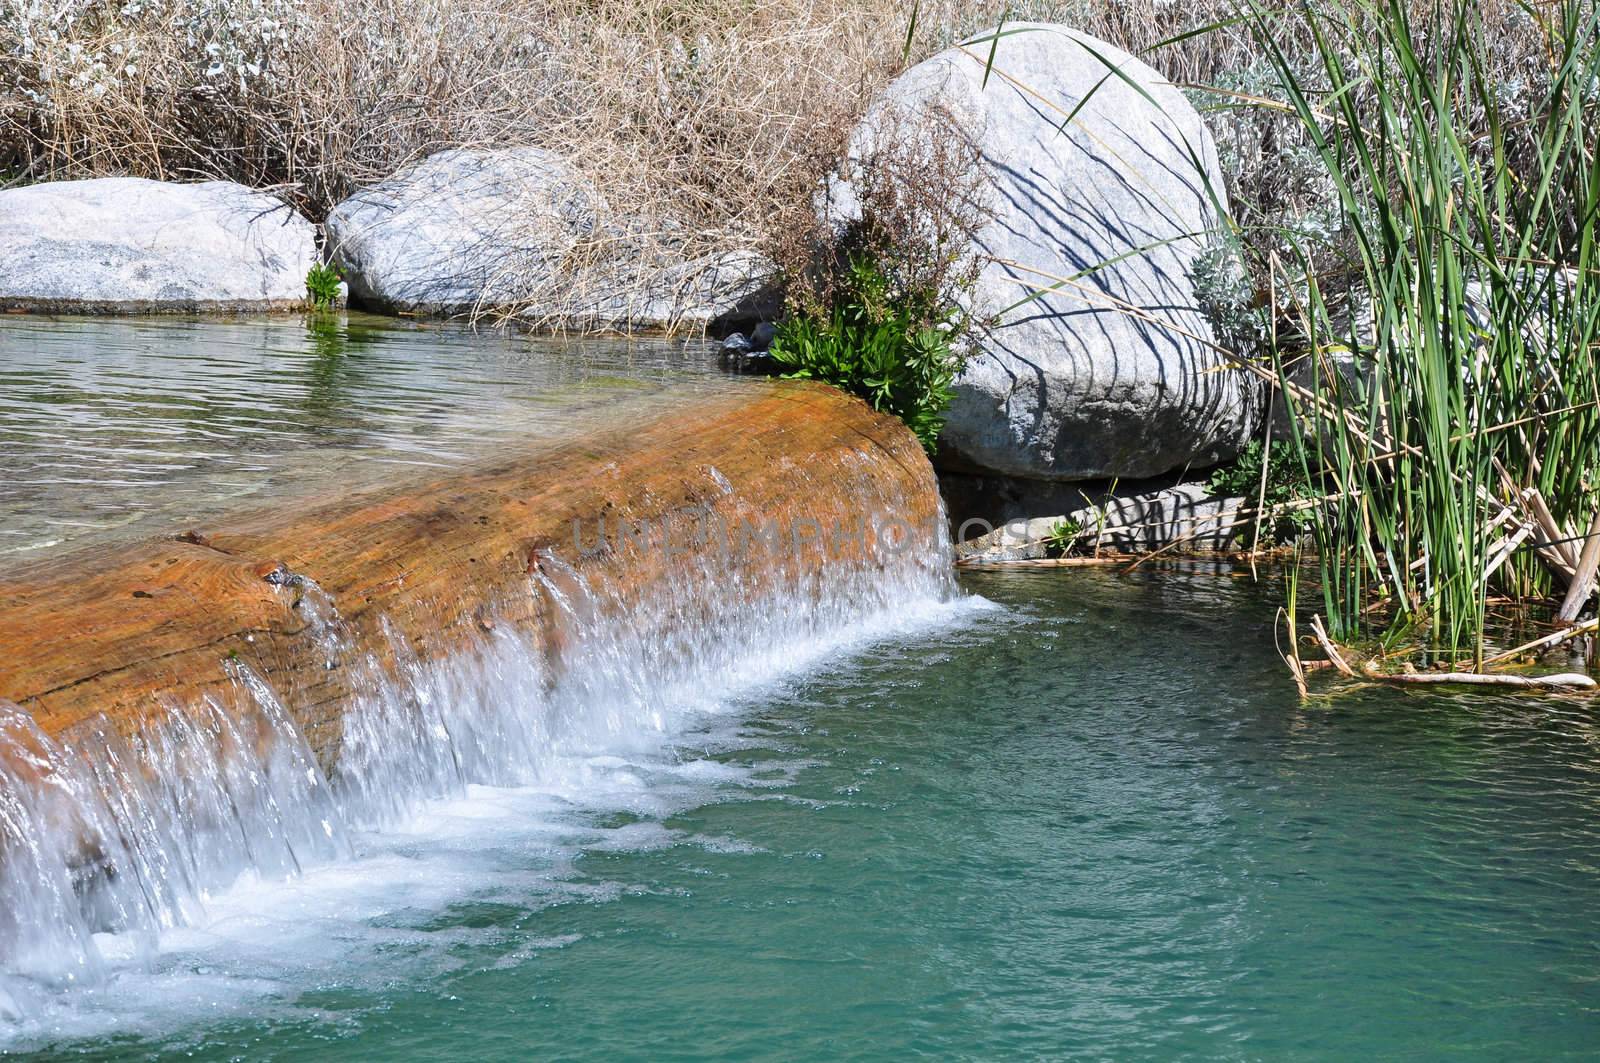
1091, 820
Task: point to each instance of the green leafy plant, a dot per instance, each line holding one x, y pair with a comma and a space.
1284, 481
322, 285
895, 349
1064, 535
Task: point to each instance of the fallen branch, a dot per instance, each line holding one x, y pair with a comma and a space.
1044, 562
1561, 681
1370, 669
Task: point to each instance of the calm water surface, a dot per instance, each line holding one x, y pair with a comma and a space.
120, 428
1092, 821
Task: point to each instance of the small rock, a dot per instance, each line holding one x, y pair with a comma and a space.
1186, 515
737, 357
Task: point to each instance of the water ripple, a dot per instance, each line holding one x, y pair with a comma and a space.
173, 420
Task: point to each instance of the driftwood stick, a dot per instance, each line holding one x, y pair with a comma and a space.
1583, 579
1561, 681
1370, 670
1044, 562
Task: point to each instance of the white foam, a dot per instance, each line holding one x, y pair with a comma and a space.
502, 779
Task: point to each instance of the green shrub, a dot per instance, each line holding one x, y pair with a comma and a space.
1285, 482
322, 285
895, 350
1064, 536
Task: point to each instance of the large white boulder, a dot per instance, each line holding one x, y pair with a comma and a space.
487, 229
1101, 185
128, 245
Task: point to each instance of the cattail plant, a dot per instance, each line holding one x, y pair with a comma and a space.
1447, 402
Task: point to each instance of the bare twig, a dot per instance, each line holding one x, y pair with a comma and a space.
1044, 562
1551, 640
1334, 656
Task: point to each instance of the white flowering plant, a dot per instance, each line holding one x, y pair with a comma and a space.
62, 48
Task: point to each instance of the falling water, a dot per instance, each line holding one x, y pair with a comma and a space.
111, 838
101, 834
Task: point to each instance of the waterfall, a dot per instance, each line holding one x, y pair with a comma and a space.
131, 835
102, 834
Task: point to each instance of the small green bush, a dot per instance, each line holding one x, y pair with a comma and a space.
322, 285
1064, 535
896, 351
1286, 482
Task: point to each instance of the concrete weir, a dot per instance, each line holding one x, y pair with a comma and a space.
772, 482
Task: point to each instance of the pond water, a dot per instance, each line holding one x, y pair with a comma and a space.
1071, 814
1045, 814
121, 428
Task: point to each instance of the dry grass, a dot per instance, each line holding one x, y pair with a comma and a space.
701, 124
706, 112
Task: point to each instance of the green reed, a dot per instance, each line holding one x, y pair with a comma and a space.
1454, 365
